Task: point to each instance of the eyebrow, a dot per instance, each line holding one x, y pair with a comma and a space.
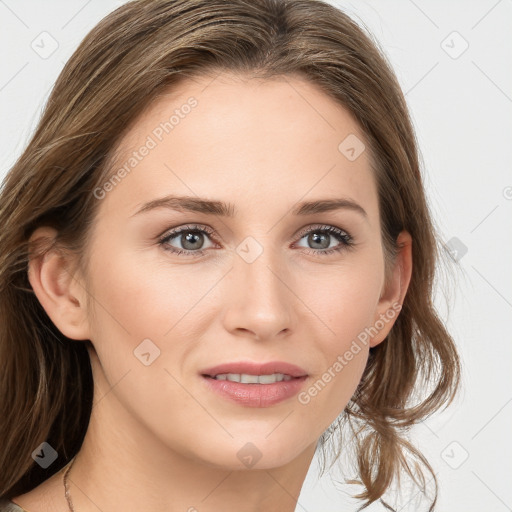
212, 207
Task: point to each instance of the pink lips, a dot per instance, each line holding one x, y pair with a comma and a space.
256, 368
255, 395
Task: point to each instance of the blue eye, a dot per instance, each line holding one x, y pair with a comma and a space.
191, 237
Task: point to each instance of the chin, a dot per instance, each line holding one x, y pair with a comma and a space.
251, 452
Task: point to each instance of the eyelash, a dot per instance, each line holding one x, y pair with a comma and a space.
344, 237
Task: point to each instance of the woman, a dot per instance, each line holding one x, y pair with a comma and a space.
216, 256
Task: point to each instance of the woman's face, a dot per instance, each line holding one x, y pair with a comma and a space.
268, 283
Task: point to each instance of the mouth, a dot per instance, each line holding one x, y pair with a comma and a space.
247, 378
249, 372
255, 384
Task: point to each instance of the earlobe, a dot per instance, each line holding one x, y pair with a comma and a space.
392, 297
61, 296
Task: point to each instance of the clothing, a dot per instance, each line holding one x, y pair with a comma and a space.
7, 505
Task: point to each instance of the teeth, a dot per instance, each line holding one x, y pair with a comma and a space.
248, 379
245, 378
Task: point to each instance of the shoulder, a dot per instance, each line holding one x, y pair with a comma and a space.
7, 505
46, 497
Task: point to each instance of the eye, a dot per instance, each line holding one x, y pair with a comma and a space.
191, 238
320, 237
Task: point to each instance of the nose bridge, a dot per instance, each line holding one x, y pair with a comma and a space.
259, 266
261, 300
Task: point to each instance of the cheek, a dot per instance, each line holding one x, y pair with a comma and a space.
143, 299
328, 393
344, 358
346, 304
343, 298
140, 298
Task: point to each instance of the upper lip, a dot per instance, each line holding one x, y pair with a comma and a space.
254, 368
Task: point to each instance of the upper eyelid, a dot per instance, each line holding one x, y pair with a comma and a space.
178, 230
321, 227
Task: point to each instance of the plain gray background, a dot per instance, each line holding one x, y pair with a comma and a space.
452, 59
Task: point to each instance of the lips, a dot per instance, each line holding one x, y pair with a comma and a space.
250, 394
252, 368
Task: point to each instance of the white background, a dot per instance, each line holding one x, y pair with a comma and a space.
461, 108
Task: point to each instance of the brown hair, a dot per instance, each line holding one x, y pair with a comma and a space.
129, 58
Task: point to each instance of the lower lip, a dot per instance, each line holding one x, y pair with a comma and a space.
256, 395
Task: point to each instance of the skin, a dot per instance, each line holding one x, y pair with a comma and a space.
156, 433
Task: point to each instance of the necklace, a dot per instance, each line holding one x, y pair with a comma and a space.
66, 489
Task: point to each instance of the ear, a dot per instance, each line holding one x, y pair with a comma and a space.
59, 292
392, 296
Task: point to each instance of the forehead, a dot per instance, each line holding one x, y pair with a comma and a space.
233, 137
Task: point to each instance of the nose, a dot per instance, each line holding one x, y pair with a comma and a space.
260, 297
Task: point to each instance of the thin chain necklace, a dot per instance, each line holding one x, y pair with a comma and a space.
66, 488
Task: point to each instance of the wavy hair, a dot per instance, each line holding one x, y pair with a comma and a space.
124, 63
